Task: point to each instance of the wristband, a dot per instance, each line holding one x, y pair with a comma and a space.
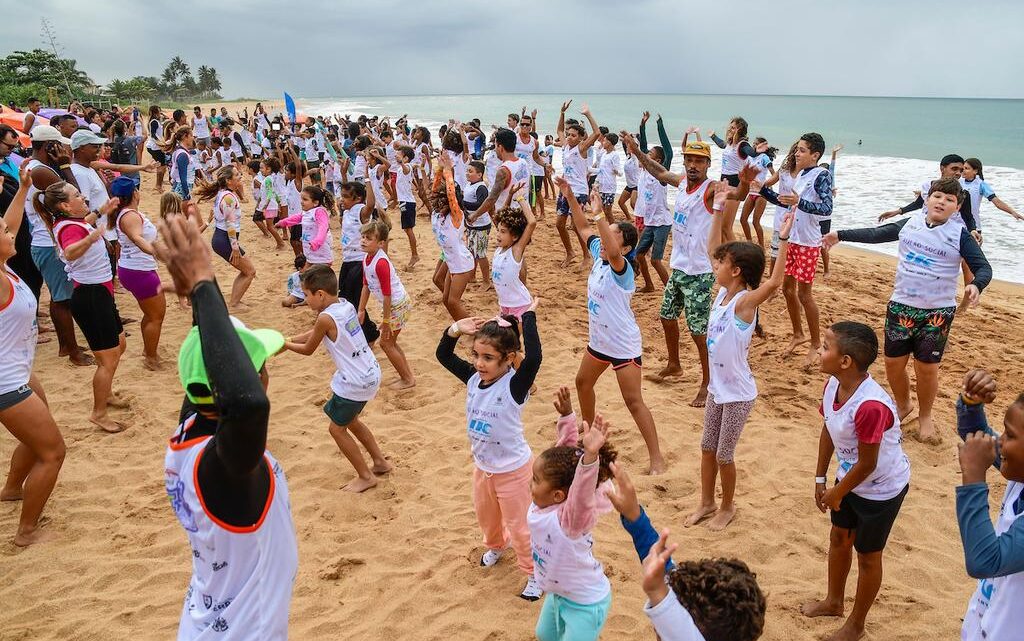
785, 239
820, 479
454, 331
65, 166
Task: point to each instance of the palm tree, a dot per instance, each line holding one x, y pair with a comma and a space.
203, 78
214, 84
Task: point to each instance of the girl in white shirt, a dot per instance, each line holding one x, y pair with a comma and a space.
456, 265
37, 460
515, 229
738, 268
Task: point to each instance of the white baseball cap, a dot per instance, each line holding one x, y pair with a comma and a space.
47, 133
84, 137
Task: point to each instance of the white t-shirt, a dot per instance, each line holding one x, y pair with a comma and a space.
574, 170
494, 425
728, 340
92, 187
607, 172
351, 224
612, 325
40, 232
18, 332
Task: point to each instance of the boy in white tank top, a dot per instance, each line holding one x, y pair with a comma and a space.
356, 379
862, 429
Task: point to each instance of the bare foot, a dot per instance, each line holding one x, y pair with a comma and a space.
412, 263
184, 302
117, 401
401, 385
570, 259
280, 246
823, 608
701, 399
669, 371
907, 414
656, 467
488, 286
849, 632
646, 289
37, 535
240, 306
10, 495
382, 468
702, 512
359, 484
108, 425
722, 519
81, 359
811, 360
796, 341
42, 339
926, 432
153, 363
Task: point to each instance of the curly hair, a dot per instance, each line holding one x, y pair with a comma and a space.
513, 219
439, 198
559, 464
722, 596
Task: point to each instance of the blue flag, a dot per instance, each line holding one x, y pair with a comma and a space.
289, 106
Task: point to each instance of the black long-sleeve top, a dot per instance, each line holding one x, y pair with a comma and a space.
745, 149
524, 376
233, 476
970, 250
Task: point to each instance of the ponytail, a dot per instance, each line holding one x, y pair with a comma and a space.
47, 201
320, 196
208, 190
976, 166
171, 143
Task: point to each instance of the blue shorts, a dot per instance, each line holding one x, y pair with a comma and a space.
562, 205
179, 189
52, 269
653, 240
342, 411
12, 398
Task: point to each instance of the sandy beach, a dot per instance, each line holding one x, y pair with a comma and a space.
401, 561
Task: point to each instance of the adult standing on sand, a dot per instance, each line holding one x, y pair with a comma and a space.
37, 460
227, 491
21, 262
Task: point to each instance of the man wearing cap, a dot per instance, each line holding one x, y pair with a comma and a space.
50, 163
227, 491
689, 287
21, 262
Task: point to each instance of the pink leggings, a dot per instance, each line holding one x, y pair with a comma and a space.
722, 427
501, 502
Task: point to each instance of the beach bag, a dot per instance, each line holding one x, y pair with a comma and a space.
121, 153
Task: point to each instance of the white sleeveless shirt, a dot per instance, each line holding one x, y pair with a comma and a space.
519, 174
351, 224
398, 294
323, 255
691, 225
131, 256
92, 267
928, 265
40, 232
220, 212
494, 425
505, 275
785, 187
731, 161
728, 348
612, 325
892, 472
806, 226
565, 566
574, 170
449, 238
403, 186
18, 332
357, 376
458, 168
241, 585
994, 609
631, 169
201, 127
524, 151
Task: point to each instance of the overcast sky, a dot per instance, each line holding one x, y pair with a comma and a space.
386, 47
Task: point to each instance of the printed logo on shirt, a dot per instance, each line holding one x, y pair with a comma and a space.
480, 427
207, 601
919, 259
176, 493
217, 567
220, 625
352, 327
594, 307
680, 218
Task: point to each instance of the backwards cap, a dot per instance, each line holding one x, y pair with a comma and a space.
260, 344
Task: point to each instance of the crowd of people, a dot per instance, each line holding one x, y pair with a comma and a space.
326, 186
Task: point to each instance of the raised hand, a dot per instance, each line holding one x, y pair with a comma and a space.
977, 453
654, 569
749, 173
563, 401
565, 105
979, 386
830, 239
889, 214
645, 117
585, 110
470, 326
594, 437
787, 224
624, 499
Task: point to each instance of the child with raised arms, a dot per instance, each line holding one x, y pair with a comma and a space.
315, 221
456, 266
256, 182
653, 218
608, 171
406, 200
575, 145
994, 554
706, 600
862, 428
973, 181
567, 500
515, 229
503, 463
614, 336
295, 296
812, 194
380, 278
356, 378
631, 172
732, 390
922, 307
754, 205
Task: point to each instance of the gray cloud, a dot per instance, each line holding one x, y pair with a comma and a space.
261, 47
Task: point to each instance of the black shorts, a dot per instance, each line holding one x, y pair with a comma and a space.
826, 226
591, 179
921, 332
408, 212
95, 311
12, 398
295, 233
536, 186
871, 521
629, 190
616, 363
732, 179
350, 287
258, 217
158, 155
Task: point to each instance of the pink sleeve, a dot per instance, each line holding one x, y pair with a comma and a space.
579, 512
568, 431
294, 219
70, 235
383, 270
871, 421
323, 225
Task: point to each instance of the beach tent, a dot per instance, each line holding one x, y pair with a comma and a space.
17, 120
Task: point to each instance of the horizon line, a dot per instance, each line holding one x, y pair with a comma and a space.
603, 93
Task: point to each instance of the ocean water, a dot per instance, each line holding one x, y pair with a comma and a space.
891, 145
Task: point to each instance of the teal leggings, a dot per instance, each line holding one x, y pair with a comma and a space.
565, 620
